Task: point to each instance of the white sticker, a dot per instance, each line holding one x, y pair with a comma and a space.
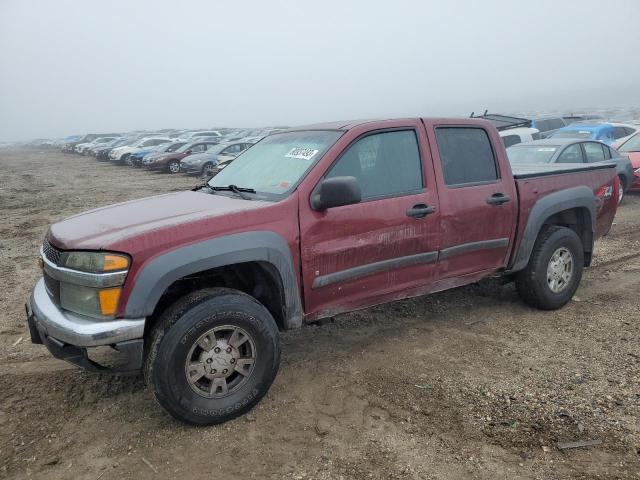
547, 149
301, 153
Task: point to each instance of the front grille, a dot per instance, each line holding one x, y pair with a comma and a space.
51, 252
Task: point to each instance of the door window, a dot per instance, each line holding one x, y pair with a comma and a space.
571, 154
466, 155
593, 152
383, 163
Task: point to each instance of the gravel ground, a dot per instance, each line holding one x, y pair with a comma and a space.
468, 383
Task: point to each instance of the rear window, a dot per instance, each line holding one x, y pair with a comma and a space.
509, 140
531, 153
573, 134
466, 155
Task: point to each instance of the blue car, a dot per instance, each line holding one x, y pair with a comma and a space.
603, 132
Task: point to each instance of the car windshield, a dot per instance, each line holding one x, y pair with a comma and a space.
172, 147
275, 165
631, 145
186, 147
531, 153
573, 134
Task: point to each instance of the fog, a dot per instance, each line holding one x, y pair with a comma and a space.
75, 66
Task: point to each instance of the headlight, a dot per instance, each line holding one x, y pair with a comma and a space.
90, 282
94, 262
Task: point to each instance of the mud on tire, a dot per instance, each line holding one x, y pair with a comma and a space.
547, 282
217, 319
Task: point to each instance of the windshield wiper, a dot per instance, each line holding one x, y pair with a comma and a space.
237, 190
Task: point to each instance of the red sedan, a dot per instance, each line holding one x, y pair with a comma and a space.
631, 148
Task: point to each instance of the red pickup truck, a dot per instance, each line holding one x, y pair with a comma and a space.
193, 287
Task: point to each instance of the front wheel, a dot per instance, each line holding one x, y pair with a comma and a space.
213, 356
208, 169
174, 166
554, 270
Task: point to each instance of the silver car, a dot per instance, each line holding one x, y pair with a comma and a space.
205, 163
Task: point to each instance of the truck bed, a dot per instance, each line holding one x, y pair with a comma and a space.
543, 169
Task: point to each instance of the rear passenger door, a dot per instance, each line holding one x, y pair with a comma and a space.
477, 199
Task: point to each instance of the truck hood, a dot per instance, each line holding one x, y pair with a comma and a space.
112, 227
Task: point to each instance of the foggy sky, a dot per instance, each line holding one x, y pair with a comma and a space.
81, 66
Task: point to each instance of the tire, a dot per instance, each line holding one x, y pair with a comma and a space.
175, 344
207, 169
126, 159
173, 166
535, 284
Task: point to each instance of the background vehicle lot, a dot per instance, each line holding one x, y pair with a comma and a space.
465, 383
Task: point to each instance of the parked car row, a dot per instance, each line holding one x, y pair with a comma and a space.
514, 130
194, 152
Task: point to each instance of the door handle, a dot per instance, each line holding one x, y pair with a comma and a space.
420, 210
498, 199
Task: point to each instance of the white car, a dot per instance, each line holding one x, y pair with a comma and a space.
121, 154
192, 135
516, 135
80, 148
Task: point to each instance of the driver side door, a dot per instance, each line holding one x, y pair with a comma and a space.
358, 255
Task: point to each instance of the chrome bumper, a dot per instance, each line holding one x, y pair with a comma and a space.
77, 330
67, 335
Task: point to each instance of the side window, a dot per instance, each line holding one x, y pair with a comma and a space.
198, 147
607, 152
556, 123
571, 154
619, 132
509, 140
593, 152
466, 155
384, 163
542, 125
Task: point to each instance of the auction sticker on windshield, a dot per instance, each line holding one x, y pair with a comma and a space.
301, 153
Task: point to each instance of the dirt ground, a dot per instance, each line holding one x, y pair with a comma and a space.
465, 384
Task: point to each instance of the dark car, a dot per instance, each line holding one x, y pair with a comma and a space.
205, 163
572, 150
136, 158
170, 162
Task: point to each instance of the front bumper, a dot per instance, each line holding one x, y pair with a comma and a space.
68, 336
186, 168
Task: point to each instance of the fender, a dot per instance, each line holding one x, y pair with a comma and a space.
575, 197
264, 246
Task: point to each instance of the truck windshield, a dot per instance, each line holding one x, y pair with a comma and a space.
275, 165
531, 153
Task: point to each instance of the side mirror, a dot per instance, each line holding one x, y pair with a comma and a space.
188, 152
336, 192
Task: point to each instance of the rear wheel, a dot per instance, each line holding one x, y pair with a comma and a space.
554, 270
174, 166
213, 356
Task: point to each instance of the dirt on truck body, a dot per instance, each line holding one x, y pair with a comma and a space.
469, 382
193, 288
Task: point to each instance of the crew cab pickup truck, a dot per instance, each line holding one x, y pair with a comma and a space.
193, 287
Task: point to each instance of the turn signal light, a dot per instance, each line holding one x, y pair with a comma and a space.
115, 262
109, 300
